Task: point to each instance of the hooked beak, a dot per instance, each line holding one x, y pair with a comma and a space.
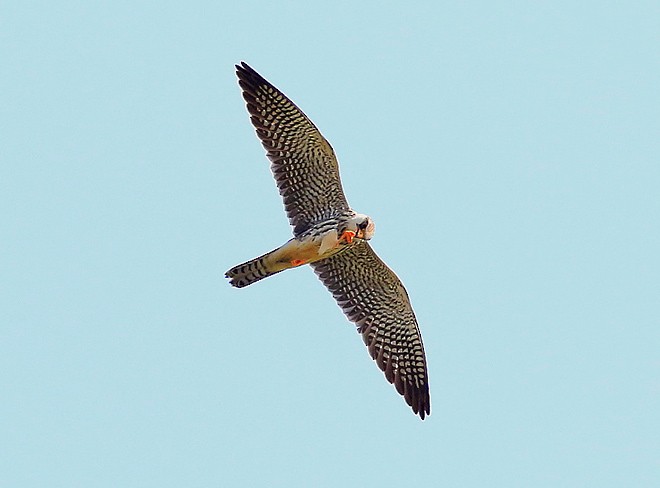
366, 233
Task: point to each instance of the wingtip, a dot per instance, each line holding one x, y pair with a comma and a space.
425, 411
243, 68
420, 402
248, 78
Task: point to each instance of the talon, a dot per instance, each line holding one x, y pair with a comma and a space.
348, 236
297, 262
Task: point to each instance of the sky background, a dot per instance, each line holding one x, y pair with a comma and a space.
509, 153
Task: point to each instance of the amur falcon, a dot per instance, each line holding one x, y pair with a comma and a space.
333, 239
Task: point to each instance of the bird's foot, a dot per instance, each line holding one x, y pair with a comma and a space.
347, 236
297, 262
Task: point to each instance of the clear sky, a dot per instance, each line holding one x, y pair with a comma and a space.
509, 154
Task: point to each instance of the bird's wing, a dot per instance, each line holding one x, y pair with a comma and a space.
373, 297
303, 162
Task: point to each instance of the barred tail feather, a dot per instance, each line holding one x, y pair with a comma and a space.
252, 271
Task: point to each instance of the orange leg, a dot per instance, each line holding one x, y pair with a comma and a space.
348, 236
297, 262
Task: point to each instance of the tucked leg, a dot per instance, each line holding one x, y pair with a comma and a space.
348, 236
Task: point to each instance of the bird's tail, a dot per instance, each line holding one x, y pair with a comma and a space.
257, 269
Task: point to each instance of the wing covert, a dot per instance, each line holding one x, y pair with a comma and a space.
373, 297
302, 161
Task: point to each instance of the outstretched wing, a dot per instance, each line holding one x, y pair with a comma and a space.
373, 297
303, 162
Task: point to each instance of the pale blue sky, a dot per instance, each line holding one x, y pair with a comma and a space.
509, 153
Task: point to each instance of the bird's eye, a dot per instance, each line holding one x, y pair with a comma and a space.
364, 224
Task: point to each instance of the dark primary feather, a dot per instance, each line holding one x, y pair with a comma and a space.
373, 297
303, 162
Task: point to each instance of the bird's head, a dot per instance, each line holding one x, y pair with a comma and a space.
365, 227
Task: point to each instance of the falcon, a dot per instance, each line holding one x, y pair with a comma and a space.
333, 239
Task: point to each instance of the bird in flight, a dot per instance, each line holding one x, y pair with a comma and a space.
333, 239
